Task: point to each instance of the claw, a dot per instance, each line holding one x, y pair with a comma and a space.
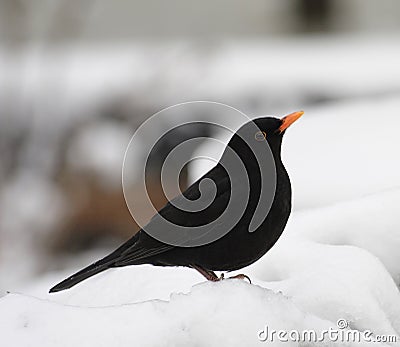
211, 276
240, 277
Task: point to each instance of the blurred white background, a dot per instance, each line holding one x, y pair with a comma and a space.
77, 78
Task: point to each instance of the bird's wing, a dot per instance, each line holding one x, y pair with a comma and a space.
141, 247
147, 246
138, 254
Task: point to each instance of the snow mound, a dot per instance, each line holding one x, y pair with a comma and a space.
338, 259
229, 313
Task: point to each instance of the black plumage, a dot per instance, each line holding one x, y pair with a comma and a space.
236, 249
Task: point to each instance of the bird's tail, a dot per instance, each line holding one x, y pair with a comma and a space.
83, 274
97, 267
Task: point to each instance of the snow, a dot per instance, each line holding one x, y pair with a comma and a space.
149, 306
205, 317
100, 148
281, 73
337, 259
335, 153
25, 197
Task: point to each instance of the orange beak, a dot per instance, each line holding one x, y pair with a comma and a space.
288, 120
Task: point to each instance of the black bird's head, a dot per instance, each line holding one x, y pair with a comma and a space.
268, 129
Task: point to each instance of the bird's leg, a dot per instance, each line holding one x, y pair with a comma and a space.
242, 277
211, 276
208, 274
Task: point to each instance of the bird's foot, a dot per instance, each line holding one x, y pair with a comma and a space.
222, 277
240, 277
211, 276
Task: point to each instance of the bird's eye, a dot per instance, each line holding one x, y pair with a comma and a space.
260, 135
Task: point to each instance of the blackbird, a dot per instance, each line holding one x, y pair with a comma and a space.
237, 247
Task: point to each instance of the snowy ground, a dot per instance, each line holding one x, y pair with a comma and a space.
338, 258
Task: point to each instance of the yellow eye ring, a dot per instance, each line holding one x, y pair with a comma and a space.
260, 135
